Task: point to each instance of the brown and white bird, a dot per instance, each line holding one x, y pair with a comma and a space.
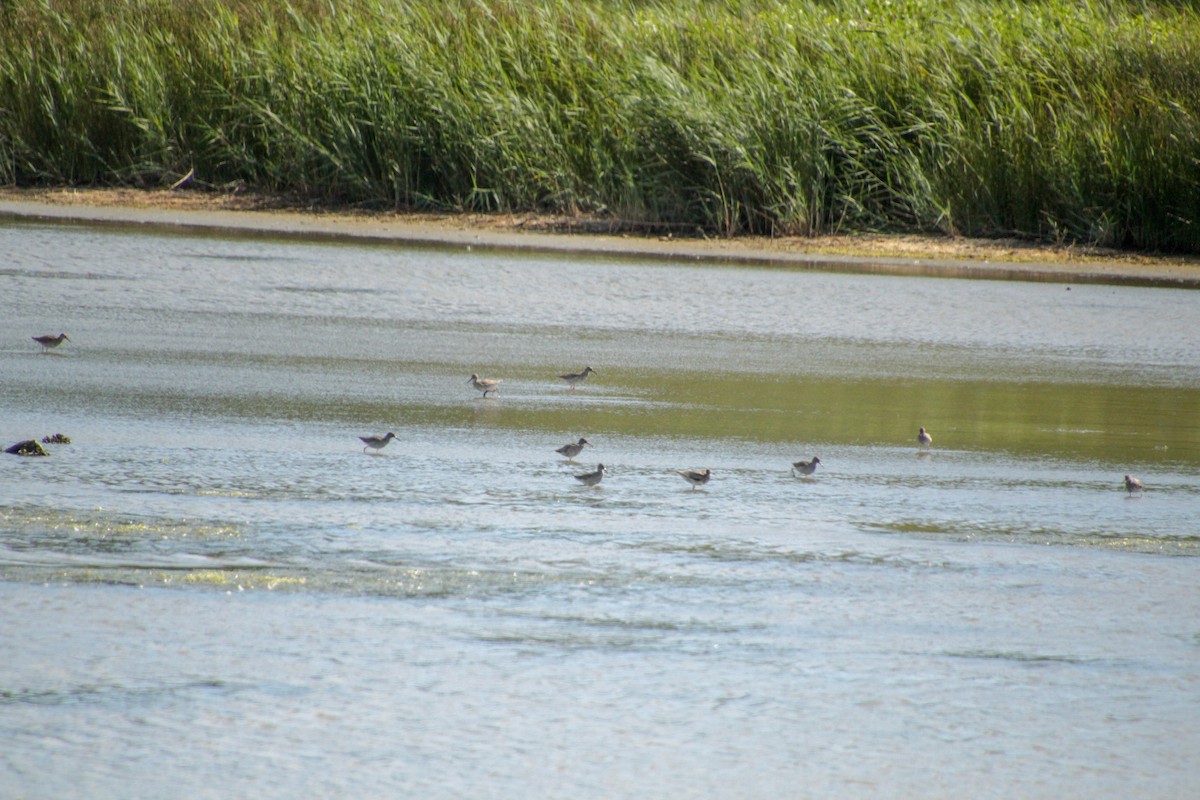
377, 443
923, 438
1132, 485
805, 467
48, 343
576, 378
695, 477
592, 478
573, 449
484, 385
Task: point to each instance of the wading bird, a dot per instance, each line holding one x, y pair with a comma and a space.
573, 449
484, 385
805, 467
695, 477
576, 378
377, 443
592, 478
48, 343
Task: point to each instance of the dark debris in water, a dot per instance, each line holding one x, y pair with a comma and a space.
58, 438
29, 447
98, 692
1022, 657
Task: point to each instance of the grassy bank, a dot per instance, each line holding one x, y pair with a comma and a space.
1075, 121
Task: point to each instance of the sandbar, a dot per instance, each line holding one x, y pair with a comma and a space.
928, 255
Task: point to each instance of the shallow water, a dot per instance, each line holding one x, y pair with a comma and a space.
213, 591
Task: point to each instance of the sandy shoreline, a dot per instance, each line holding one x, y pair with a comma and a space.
885, 254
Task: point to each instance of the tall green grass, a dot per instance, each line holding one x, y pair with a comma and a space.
1077, 120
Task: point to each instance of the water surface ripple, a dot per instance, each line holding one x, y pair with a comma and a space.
213, 591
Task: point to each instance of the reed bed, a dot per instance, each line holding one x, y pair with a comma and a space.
1075, 120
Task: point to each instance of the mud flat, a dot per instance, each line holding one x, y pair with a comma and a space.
994, 259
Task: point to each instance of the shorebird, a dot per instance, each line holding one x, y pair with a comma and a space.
48, 343
377, 443
1132, 485
573, 449
805, 467
695, 477
592, 478
923, 438
484, 385
576, 378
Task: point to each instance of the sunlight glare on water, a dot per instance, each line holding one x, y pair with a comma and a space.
213, 590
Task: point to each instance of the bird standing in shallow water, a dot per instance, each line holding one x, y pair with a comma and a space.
576, 378
377, 443
695, 477
923, 438
48, 343
805, 467
484, 385
1132, 485
592, 478
573, 449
